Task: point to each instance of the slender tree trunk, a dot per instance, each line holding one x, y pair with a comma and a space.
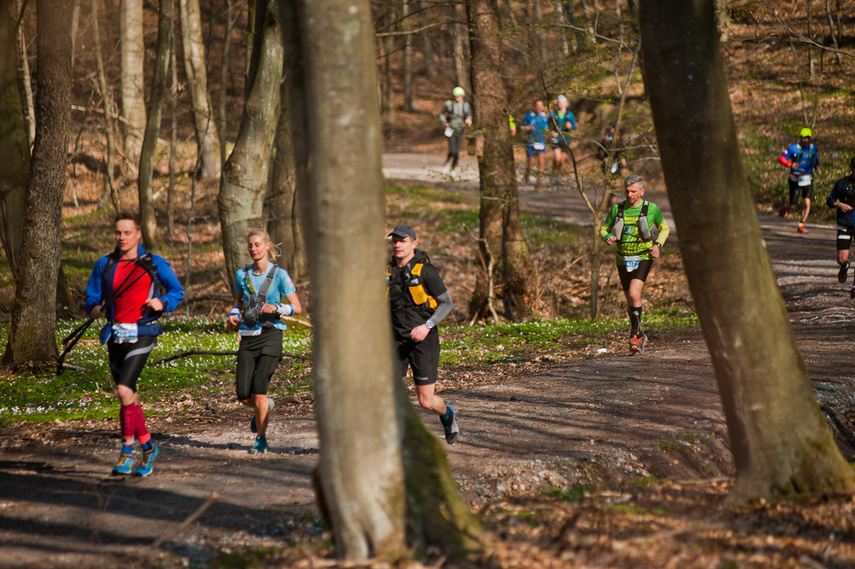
14, 146
832, 31
499, 214
810, 36
406, 25
246, 172
459, 35
109, 191
152, 127
25, 77
282, 207
362, 471
195, 69
133, 76
225, 67
427, 43
32, 338
75, 24
388, 105
173, 139
779, 438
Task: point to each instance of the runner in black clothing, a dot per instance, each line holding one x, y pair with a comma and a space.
842, 198
419, 301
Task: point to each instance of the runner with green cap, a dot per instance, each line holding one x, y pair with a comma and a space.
802, 158
455, 116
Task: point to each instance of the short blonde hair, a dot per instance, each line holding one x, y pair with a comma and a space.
273, 252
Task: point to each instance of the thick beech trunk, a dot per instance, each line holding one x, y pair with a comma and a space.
32, 338
245, 174
779, 438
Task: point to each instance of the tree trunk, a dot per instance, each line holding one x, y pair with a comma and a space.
173, 132
25, 78
207, 137
361, 471
281, 206
14, 146
133, 76
406, 25
388, 101
152, 127
32, 338
499, 214
225, 68
109, 191
459, 35
427, 44
779, 438
245, 174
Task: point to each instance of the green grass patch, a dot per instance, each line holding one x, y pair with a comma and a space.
666, 445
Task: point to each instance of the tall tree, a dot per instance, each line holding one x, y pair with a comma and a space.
110, 190
31, 336
361, 471
195, 69
133, 76
501, 228
154, 115
14, 145
779, 439
245, 174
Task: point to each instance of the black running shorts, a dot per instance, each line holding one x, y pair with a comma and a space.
795, 189
845, 237
127, 360
258, 357
422, 356
640, 273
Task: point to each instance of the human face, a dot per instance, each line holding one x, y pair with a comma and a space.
127, 238
634, 193
805, 141
458, 98
538, 106
258, 248
562, 106
405, 248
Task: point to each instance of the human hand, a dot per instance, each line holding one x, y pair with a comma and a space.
97, 311
267, 309
845, 208
419, 333
655, 250
610, 240
155, 304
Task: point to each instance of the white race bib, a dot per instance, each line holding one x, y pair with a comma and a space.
254, 331
124, 333
805, 180
538, 145
631, 263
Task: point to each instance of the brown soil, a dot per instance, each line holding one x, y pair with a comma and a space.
581, 419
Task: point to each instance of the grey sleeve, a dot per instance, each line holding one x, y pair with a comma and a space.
444, 307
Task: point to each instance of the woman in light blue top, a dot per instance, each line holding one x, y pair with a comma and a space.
262, 287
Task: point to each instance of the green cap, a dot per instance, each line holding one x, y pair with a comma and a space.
458, 92
805, 132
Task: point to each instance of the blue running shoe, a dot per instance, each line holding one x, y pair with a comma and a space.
147, 465
253, 427
452, 432
260, 446
124, 466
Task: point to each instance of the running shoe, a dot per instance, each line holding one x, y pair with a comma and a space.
253, 427
147, 465
452, 432
637, 343
841, 275
801, 229
852, 292
260, 446
124, 466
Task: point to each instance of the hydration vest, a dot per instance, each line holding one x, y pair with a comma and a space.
415, 285
643, 224
145, 261
257, 299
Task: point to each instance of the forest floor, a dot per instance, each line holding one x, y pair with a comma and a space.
592, 458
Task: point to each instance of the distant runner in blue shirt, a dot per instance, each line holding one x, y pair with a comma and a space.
802, 159
562, 122
536, 124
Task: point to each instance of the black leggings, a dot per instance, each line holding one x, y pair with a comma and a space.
127, 360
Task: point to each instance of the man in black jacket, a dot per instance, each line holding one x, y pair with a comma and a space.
842, 198
419, 301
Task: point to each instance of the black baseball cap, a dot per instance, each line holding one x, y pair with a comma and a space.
403, 230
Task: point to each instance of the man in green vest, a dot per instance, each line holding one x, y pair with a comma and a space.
631, 225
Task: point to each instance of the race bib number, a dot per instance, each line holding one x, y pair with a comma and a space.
254, 331
805, 180
448, 132
124, 333
631, 263
538, 145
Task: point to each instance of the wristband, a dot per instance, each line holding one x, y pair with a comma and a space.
285, 309
234, 312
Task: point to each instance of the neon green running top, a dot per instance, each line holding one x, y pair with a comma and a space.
631, 243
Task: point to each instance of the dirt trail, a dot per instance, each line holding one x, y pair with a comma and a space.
607, 419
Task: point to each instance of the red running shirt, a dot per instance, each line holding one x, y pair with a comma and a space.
130, 306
